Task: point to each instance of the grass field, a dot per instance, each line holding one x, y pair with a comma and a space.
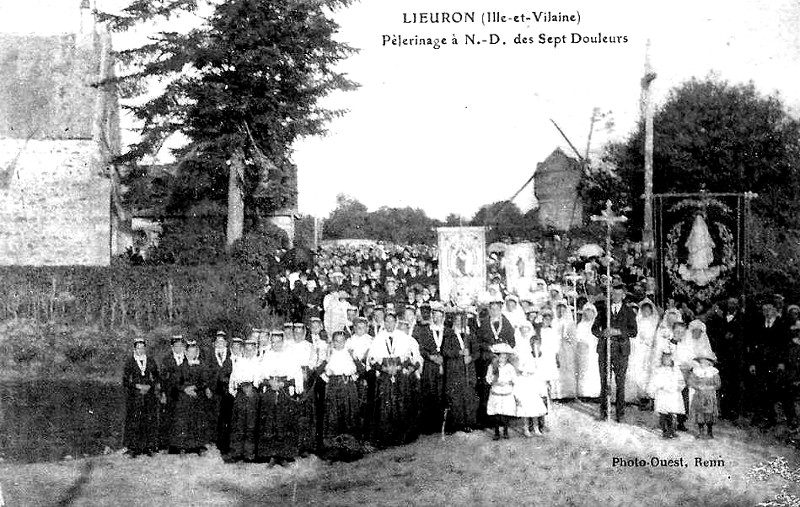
572, 465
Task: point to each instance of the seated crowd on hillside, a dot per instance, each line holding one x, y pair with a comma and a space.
368, 354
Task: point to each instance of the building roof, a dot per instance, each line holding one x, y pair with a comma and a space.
558, 153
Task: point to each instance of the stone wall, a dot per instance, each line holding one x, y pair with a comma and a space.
45, 87
285, 220
54, 209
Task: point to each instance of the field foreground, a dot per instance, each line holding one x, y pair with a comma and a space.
574, 464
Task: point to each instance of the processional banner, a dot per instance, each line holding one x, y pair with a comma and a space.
700, 246
462, 264
519, 262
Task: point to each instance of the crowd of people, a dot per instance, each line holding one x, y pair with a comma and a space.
369, 354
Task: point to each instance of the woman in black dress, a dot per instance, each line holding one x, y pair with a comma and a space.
141, 383
342, 404
460, 350
281, 384
189, 433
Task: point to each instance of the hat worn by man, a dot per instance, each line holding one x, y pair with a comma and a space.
236, 339
191, 343
221, 333
139, 340
176, 338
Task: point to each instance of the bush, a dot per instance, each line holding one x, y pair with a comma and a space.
115, 297
191, 242
24, 354
80, 353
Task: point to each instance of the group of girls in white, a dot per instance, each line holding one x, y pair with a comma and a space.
684, 385
670, 363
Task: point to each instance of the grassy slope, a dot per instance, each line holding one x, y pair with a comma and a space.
570, 466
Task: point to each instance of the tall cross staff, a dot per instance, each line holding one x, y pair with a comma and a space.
610, 218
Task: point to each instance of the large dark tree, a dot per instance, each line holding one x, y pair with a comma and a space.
352, 220
242, 87
403, 225
715, 136
347, 221
505, 222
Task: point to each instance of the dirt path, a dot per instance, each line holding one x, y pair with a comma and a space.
574, 464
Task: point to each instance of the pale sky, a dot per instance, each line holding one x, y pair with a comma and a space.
450, 129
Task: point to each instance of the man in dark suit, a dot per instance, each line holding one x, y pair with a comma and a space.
768, 372
623, 328
725, 331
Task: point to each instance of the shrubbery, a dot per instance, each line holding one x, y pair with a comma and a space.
79, 320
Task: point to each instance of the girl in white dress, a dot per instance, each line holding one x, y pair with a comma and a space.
666, 387
586, 354
641, 352
663, 340
566, 387
550, 343
501, 376
530, 389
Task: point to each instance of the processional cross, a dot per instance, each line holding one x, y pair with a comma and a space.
610, 218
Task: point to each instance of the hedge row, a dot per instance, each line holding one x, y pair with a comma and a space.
226, 295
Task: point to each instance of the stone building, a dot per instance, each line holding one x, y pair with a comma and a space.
556, 187
58, 131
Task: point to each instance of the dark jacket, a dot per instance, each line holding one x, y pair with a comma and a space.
625, 321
